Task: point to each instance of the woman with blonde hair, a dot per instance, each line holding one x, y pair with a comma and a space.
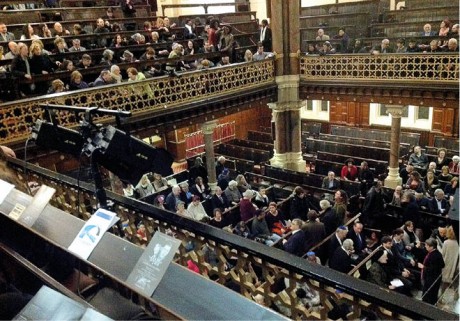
248, 56
451, 259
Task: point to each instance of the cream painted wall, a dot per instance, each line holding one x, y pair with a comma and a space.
197, 10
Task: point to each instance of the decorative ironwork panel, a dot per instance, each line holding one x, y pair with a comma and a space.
391, 67
140, 97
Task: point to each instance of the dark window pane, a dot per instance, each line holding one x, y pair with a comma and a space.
324, 105
310, 105
423, 113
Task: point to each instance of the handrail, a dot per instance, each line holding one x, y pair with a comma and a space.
274, 262
364, 261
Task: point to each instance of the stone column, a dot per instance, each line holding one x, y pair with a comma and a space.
286, 117
393, 178
208, 130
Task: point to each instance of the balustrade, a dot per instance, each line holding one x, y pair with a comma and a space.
236, 258
142, 98
383, 67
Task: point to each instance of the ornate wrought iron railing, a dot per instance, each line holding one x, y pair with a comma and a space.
227, 258
384, 67
141, 97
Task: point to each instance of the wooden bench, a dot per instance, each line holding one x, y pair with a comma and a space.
384, 135
310, 128
447, 142
252, 144
204, 5
343, 7
314, 145
256, 155
259, 136
403, 147
380, 167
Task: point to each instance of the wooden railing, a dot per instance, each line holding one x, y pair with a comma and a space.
142, 98
246, 256
383, 68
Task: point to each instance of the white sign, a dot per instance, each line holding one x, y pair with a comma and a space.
91, 233
5, 189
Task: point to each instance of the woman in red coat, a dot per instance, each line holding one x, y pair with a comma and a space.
349, 171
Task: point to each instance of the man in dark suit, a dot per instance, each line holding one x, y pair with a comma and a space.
340, 260
337, 240
359, 241
265, 36
296, 243
314, 230
431, 272
219, 200
438, 204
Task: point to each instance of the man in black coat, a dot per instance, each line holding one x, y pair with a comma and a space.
265, 36
340, 259
359, 241
337, 240
431, 272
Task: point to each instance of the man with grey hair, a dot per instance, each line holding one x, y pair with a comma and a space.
220, 165
173, 198
296, 243
337, 239
340, 259
76, 46
438, 204
116, 73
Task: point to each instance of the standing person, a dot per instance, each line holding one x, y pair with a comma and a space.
265, 36
431, 272
451, 258
129, 11
299, 204
226, 41
198, 170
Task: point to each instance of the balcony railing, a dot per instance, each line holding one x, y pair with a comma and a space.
245, 256
141, 97
384, 67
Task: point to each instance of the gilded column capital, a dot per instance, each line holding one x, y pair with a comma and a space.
395, 110
208, 127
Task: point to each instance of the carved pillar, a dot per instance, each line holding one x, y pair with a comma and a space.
287, 129
208, 130
393, 178
286, 35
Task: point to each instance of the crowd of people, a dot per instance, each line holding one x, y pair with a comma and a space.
446, 40
194, 37
415, 256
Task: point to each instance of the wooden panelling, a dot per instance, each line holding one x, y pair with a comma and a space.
438, 118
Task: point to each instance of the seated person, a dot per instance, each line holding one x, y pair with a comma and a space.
232, 193
451, 188
219, 200
321, 36
418, 159
261, 54
453, 165
200, 189
261, 231
105, 78
276, 220
394, 268
195, 209
445, 175
295, 244
330, 182
384, 47
405, 172
422, 201
427, 32
378, 272
413, 47
349, 171
438, 204
431, 182
144, 187
340, 259
327, 49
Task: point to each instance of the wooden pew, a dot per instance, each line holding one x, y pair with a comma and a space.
252, 144
403, 147
310, 128
384, 135
258, 136
447, 142
380, 167
256, 155
314, 145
